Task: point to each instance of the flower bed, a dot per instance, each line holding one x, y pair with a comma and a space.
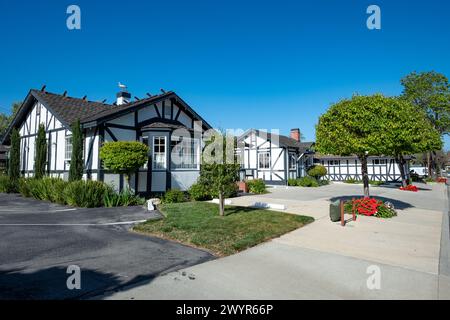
442, 180
409, 187
370, 207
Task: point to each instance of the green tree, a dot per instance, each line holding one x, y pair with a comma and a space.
408, 131
124, 157
40, 160
220, 170
430, 92
353, 127
76, 161
5, 119
14, 156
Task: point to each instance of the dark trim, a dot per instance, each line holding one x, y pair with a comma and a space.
111, 134
119, 126
90, 156
169, 162
157, 111
101, 140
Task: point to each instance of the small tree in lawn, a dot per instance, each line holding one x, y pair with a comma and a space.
220, 170
354, 127
76, 161
14, 156
40, 160
124, 157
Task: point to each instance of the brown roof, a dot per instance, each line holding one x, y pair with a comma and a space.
286, 141
70, 109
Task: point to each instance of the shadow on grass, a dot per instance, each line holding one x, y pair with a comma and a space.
397, 203
235, 210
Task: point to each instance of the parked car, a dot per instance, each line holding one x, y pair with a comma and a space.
420, 172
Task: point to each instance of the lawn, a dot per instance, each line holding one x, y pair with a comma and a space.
199, 224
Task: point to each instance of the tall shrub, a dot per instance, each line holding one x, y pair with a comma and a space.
14, 156
76, 162
40, 160
124, 157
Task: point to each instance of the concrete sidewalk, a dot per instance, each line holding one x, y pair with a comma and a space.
324, 260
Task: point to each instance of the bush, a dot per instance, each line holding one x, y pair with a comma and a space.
317, 172
375, 183
309, 182
24, 188
124, 198
174, 196
7, 185
293, 182
86, 194
199, 192
256, 186
370, 207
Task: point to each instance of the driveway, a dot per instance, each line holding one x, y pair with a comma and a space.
39, 240
326, 261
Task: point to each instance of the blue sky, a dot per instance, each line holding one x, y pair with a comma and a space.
240, 64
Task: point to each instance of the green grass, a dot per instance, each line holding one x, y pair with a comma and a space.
199, 224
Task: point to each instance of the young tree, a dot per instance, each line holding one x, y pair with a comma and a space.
14, 156
5, 119
430, 92
124, 157
353, 127
317, 172
76, 161
40, 160
220, 170
408, 132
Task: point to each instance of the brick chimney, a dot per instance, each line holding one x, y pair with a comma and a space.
295, 134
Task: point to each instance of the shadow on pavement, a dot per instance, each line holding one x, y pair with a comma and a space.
51, 284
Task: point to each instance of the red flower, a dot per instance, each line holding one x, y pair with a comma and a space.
410, 187
367, 206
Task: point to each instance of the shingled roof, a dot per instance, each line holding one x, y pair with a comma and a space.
69, 109
284, 140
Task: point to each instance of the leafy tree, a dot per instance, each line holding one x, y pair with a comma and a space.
14, 156
430, 92
76, 161
220, 170
408, 131
5, 119
353, 127
40, 160
124, 157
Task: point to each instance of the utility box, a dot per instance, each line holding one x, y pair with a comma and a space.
335, 211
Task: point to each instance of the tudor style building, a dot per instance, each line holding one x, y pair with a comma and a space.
272, 157
152, 121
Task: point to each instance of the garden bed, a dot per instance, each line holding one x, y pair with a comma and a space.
199, 224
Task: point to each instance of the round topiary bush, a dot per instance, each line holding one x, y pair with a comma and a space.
317, 172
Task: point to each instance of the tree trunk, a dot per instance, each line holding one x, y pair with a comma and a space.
430, 167
365, 175
221, 204
401, 165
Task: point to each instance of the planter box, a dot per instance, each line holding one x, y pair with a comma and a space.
242, 186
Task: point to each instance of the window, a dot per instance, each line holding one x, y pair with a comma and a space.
38, 109
379, 161
68, 149
292, 161
264, 160
184, 153
159, 153
334, 162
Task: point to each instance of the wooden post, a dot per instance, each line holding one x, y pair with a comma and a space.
342, 213
353, 209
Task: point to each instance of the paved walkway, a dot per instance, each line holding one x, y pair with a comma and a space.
324, 260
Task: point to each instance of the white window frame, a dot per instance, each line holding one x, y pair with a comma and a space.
266, 154
154, 163
186, 150
67, 138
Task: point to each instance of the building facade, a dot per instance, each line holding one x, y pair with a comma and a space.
164, 122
